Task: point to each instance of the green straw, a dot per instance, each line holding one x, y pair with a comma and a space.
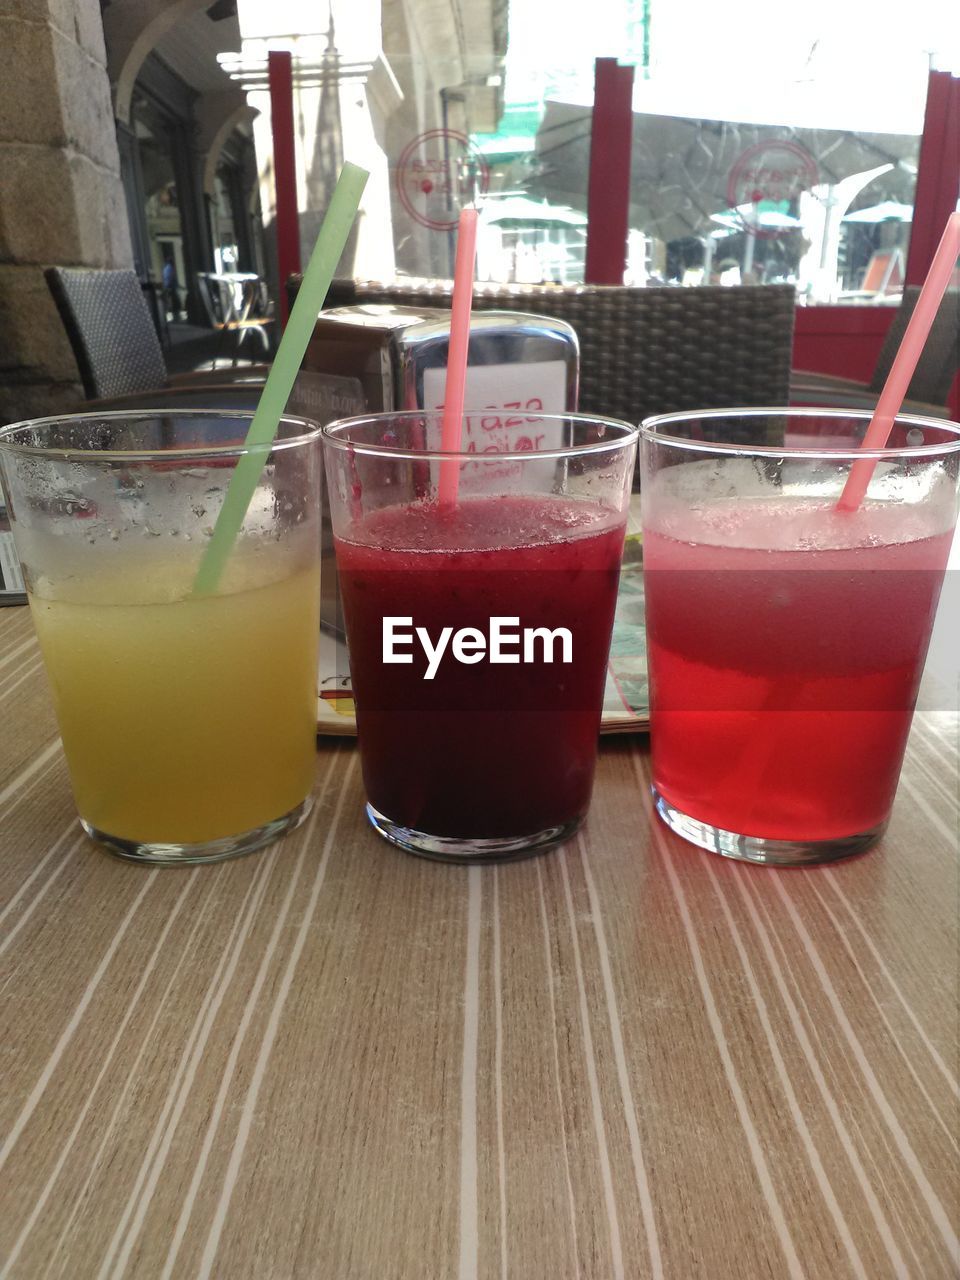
266, 420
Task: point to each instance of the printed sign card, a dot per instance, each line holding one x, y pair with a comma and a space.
503, 402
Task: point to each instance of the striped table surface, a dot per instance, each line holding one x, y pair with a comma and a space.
624, 1058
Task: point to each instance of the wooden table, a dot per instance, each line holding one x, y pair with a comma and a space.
625, 1058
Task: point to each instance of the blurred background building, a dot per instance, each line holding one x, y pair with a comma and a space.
137, 133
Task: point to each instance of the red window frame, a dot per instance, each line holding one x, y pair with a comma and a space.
843, 340
847, 340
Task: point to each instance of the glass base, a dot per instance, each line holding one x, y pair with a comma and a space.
759, 849
456, 849
161, 854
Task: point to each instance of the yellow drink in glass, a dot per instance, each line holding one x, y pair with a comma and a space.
184, 719
188, 715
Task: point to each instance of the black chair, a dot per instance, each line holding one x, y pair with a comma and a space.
933, 377
113, 337
642, 351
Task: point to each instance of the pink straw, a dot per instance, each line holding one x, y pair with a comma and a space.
451, 430
904, 363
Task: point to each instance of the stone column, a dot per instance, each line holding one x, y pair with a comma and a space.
61, 199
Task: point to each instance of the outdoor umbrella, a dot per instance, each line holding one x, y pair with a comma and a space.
681, 168
520, 211
764, 219
885, 211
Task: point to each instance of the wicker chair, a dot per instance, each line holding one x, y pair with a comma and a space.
932, 379
113, 337
110, 330
642, 351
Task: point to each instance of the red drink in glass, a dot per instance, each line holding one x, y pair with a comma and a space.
786, 642
787, 633
482, 751
478, 593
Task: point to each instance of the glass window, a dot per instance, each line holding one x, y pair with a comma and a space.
762, 151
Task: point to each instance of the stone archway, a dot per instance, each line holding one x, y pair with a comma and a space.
218, 114
132, 29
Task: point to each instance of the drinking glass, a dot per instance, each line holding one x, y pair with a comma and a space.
479, 626
786, 637
188, 719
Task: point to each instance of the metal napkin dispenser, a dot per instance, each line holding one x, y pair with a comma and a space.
396, 357
374, 359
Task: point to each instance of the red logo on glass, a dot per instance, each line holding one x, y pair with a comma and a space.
439, 173
766, 181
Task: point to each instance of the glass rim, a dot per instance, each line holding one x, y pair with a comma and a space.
650, 433
310, 431
332, 435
